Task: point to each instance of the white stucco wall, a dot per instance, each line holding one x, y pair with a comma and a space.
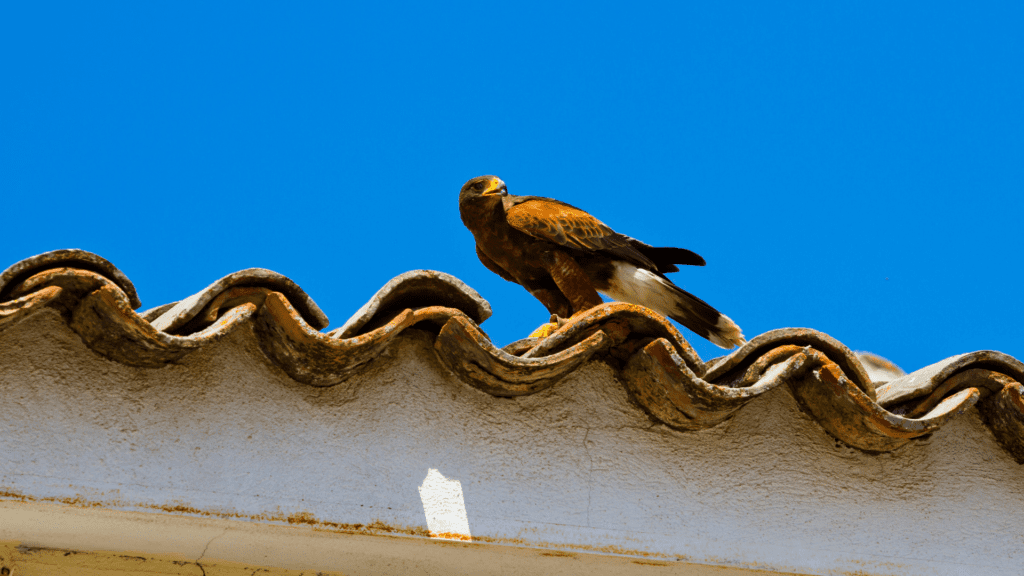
578, 465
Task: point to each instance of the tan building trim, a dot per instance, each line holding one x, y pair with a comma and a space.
39, 539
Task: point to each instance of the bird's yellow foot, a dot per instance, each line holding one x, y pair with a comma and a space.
548, 329
544, 331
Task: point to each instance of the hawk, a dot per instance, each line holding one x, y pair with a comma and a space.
564, 257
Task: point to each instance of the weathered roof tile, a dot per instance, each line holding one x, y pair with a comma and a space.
412, 290
657, 366
69, 258
250, 285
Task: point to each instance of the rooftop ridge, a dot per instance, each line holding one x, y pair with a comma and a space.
657, 366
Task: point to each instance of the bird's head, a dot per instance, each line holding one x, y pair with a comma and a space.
489, 186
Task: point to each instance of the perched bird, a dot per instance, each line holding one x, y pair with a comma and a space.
564, 257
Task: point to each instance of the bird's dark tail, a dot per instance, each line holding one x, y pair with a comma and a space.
639, 286
702, 318
666, 258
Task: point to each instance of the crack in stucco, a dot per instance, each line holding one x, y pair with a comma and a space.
207, 547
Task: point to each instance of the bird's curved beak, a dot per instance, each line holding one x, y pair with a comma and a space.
496, 188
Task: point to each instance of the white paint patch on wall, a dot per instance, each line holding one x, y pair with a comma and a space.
444, 506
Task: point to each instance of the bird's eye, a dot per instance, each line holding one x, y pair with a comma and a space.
479, 185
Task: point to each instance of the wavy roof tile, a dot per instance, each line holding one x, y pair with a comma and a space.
861, 399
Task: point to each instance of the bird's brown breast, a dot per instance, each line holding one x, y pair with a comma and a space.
518, 253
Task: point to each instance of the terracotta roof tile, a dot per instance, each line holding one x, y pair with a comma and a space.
861, 399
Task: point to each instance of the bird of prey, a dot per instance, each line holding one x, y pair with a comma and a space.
564, 257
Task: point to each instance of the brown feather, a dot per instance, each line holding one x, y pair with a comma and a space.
569, 226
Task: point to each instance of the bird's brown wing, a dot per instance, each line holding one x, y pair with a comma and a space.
569, 226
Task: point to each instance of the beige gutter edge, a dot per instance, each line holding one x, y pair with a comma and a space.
43, 538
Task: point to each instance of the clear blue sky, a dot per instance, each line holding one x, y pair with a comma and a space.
847, 166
